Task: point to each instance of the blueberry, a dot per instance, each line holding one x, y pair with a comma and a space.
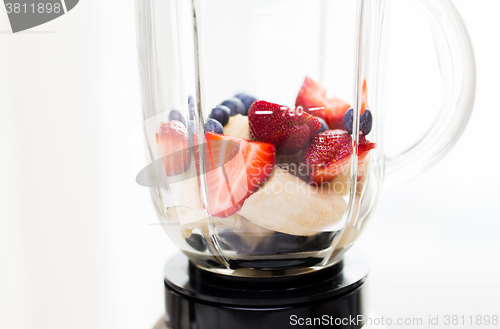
347, 121
235, 106
285, 243
366, 122
246, 99
176, 115
221, 114
324, 126
191, 107
230, 240
197, 242
213, 125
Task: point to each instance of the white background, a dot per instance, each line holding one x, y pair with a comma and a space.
79, 244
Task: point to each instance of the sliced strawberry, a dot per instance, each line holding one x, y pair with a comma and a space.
329, 155
289, 130
312, 97
235, 167
173, 144
364, 97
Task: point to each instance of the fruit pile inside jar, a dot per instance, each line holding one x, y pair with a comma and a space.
271, 168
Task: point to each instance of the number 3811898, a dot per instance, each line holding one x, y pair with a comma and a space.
40, 8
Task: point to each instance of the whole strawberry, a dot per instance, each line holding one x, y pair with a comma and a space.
173, 144
312, 97
329, 155
288, 129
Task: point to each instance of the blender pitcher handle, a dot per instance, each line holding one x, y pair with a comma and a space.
458, 72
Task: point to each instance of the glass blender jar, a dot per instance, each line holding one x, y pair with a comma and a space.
264, 142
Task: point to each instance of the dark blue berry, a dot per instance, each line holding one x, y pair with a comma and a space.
235, 106
324, 126
191, 107
213, 125
221, 114
246, 99
176, 115
366, 122
347, 120
197, 242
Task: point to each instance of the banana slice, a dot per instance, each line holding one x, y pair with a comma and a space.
238, 127
288, 205
342, 183
194, 218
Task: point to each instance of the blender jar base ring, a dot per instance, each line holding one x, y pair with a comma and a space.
199, 299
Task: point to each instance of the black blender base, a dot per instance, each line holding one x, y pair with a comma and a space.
330, 297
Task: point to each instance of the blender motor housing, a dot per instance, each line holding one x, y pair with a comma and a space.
329, 297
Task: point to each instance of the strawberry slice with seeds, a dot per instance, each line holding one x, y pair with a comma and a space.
235, 167
173, 145
312, 98
329, 155
290, 130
